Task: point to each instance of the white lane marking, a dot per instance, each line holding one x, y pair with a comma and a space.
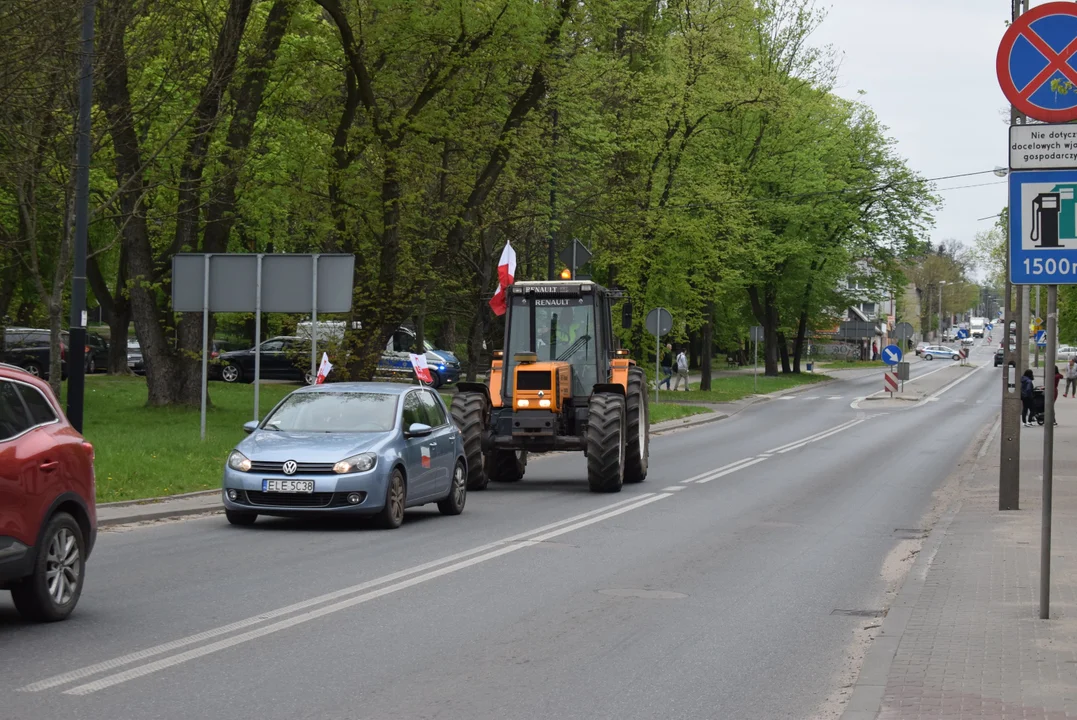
711, 472
811, 397
824, 436
990, 438
787, 397
952, 385
834, 397
801, 440
750, 462
673, 488
114, 663
194, 653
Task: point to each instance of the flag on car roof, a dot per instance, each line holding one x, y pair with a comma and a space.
506, 272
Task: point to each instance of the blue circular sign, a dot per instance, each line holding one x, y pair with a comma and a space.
962, 333
1036, 63
891, 355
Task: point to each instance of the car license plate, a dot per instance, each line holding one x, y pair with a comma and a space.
288, 486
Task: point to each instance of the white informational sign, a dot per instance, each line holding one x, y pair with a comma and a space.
1043, 147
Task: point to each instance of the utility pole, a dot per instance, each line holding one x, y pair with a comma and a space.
1015, 356
76, 361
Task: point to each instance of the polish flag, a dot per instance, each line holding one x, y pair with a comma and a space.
323, 369
506, 272
421, 367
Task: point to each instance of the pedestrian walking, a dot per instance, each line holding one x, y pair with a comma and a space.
1028, 417
667, 367
682, 371
874, 351
1058, 377
1071, 378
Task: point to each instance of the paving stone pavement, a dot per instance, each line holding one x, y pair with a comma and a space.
969, 641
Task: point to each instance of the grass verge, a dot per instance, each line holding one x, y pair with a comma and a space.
728, 389
848, 364
660, 412
146, 452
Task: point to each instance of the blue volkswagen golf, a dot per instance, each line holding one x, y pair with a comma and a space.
348, 449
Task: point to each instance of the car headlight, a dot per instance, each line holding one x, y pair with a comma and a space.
356, 463
238, 461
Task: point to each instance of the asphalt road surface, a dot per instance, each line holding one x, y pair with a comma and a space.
732, 584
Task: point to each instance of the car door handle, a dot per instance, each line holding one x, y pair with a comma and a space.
433, 444
49, 466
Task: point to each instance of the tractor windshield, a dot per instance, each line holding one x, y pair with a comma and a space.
564, 331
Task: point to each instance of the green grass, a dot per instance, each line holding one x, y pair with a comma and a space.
145, 452
728, 389
660, 412
846, 364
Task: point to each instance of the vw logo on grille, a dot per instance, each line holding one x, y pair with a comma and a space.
290, 467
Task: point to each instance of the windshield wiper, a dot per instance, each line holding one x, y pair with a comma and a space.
574, 347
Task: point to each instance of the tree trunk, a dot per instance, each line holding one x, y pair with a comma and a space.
119, 321
783, 349
766, 314
708, 347
447, 334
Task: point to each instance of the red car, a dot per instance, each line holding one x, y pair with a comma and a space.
48, 520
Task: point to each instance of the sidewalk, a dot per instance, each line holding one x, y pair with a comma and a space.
963, 638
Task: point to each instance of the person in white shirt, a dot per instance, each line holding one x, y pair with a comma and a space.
682, 371
1071, 378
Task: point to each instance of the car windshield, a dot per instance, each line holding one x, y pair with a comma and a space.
132, 345
334, 412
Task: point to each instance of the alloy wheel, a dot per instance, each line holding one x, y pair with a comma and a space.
62, 566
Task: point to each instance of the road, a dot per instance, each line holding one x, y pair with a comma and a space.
740, 581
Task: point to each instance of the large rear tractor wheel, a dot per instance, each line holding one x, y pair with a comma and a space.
506, 465
468, 410
637, 443
606, 430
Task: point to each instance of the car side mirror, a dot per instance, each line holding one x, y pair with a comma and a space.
250, 426
418, 430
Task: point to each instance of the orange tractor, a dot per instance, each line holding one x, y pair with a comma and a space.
560, 384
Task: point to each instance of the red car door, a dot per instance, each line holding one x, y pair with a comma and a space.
19, 460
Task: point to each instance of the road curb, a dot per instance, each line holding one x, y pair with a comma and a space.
160, 515
162, 498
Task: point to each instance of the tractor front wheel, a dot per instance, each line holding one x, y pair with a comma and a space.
468, 410
606, 430
637, 442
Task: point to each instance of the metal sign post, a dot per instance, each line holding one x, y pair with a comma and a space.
1048, 454
659, 322
757, 335
205, 343
257, 336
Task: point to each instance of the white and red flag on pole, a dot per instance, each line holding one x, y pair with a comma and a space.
506, 272
421, 367
323, 369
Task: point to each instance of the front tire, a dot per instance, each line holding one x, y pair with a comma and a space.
392, 515
468, 410
454, 502
506, 466
231, 374
34, 369
637, 441
53, 590
241, 519
927, 357
606, 443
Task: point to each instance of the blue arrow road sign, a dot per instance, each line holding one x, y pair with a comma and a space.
891, 354
989, 327
962, 333
1041, 338
1043, 227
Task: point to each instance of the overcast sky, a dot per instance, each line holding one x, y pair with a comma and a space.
929, 72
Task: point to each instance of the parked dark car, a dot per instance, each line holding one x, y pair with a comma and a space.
96, 353
280, 361
28, 348
134, 357
48, 519
998, 357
